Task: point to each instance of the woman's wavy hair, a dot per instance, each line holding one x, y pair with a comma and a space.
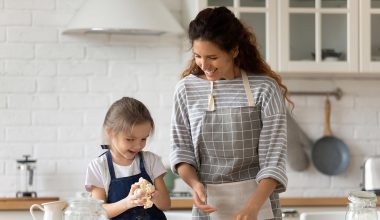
220, 26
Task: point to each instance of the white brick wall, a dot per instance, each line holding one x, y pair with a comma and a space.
55, 90
354, 119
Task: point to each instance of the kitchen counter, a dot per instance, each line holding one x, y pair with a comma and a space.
180, 203
8, 204
187, 203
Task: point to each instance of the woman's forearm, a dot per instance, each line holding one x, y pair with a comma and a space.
264, 190
188, 174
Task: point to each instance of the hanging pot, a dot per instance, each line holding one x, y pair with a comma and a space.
330, 155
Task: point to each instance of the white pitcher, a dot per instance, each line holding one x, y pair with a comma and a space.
52, 210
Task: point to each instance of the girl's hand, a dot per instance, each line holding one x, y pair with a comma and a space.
134, 199
154, 195
199, 197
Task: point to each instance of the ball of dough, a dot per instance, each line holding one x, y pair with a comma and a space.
145, 190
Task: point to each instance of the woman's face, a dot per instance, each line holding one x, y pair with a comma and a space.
216, 63
128, 144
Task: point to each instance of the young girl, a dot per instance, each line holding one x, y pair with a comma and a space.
111, 176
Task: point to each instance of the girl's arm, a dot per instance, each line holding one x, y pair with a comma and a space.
116, 208
161, 196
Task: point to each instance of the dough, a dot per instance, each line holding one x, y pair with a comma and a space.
145, 189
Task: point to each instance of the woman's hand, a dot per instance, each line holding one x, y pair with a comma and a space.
246, 214
190, 176
199, 197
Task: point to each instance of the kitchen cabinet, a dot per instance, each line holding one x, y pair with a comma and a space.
370, 36
319, 36
20, 215
311, 36
175, 215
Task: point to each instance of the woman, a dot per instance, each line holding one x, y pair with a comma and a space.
229, 123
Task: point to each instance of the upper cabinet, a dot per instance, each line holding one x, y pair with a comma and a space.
318, 36
370, 36
311, 36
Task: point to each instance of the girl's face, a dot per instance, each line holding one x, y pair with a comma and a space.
128, 144
215, 63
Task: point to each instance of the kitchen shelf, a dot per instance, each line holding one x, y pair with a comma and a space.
181, 203
9, 204
187, 203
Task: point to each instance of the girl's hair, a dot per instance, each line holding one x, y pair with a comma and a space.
221, 27
125, 113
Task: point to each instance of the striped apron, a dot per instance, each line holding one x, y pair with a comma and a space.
228, 156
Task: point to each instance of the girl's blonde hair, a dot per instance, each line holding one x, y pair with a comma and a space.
124, 114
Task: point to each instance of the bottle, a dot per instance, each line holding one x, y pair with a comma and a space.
362, 206
84, 207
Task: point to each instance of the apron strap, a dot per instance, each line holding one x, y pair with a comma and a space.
142, 166
211, 101
247, 88
110, 165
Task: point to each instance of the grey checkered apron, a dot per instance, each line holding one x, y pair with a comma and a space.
228, 144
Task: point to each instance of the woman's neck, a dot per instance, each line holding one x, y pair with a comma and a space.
235, 74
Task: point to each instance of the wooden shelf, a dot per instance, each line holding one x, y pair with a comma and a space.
8, 204
181, 203
184, 203
285, 202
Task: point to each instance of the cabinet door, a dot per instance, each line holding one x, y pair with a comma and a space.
370, 36
260, 16
318, 36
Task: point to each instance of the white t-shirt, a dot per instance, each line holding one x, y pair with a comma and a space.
98, 174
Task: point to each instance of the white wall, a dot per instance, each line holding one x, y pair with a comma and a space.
55, 89
355, 119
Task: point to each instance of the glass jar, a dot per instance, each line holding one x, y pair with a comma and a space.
362, 206
84, 207
290, 214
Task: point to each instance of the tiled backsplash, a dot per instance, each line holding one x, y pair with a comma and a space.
55, 90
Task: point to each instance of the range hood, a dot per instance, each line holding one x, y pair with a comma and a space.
141, 17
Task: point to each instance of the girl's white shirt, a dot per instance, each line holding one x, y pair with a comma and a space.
98, 174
